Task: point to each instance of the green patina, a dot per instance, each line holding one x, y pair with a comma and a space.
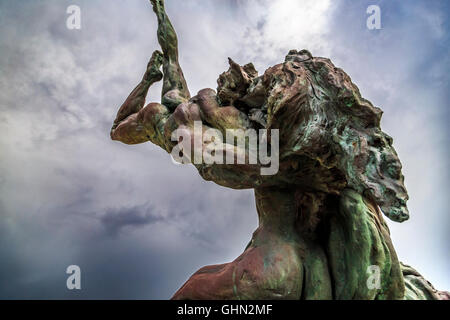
321, 222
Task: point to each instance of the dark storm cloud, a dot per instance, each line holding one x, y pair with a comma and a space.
116, 219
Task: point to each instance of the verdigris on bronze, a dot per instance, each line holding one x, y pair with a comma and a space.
321, 226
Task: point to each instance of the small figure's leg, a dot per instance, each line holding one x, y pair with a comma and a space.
134, 124
175, 90
145, 125
136, 99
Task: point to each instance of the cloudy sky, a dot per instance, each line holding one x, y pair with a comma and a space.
138, 225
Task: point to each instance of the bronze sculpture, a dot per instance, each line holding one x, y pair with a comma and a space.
320, 215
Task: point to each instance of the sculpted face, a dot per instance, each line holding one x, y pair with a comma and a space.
387, 181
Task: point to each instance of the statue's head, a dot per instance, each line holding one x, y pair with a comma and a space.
332, 123
323, 123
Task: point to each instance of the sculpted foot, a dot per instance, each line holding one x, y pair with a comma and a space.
158, 6
153, 73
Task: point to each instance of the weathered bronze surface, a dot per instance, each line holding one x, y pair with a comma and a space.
320, 216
